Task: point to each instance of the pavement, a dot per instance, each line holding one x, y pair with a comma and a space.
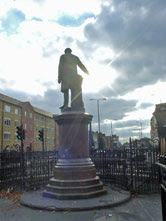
113, 196
139, 208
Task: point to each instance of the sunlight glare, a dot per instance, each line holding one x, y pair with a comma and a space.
100, 76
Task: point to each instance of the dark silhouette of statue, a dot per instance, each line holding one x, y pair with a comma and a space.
70, 80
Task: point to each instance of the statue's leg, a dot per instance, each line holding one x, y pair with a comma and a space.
66, 99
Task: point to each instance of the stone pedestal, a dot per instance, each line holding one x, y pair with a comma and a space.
74, 173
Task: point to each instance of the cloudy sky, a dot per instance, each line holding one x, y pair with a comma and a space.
121, 42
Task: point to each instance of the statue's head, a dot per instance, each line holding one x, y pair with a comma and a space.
68, 50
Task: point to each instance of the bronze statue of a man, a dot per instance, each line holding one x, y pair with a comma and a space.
69, 79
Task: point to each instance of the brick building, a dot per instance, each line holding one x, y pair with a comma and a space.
158, 122
13, 113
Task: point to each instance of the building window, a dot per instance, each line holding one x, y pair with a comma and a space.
16, 111
15, 137
42, 118
48, 120
25, 126
48, 140
48, 130
16, 123
7, 108
30, 115
6, 136
37, 128
7, 121
31, 127
25, 113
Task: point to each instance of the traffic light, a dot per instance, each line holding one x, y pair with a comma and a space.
20, 133
41, 135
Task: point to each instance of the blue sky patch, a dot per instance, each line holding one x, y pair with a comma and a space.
68, 20
12, 20
36, 19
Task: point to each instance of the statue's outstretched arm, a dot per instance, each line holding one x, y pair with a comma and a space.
82, 67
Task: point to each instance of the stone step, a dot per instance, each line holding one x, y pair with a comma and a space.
74, 196
66, 183
71, 189
74, 173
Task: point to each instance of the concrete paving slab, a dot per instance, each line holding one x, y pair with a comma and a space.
139, 208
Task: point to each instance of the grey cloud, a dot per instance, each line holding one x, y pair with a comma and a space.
118, 108
39, 1
19, 95
126, 133
68, 40
125, 128
145, 105
87, 48
106, 61
50, 101
106, 92
5, 83
50, 49
134, 125
109, 109
48, 84
136, 31
53, 99
2, 81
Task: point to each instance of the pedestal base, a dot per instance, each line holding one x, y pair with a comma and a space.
74, 173
74, 179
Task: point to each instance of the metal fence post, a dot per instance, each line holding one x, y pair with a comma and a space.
131, 167
22, 166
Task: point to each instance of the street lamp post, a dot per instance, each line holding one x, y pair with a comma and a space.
98, 110
112, 125
140, 130
111, 129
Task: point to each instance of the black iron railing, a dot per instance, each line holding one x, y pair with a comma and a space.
130, 168
133, 169
26, 170
162, 175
